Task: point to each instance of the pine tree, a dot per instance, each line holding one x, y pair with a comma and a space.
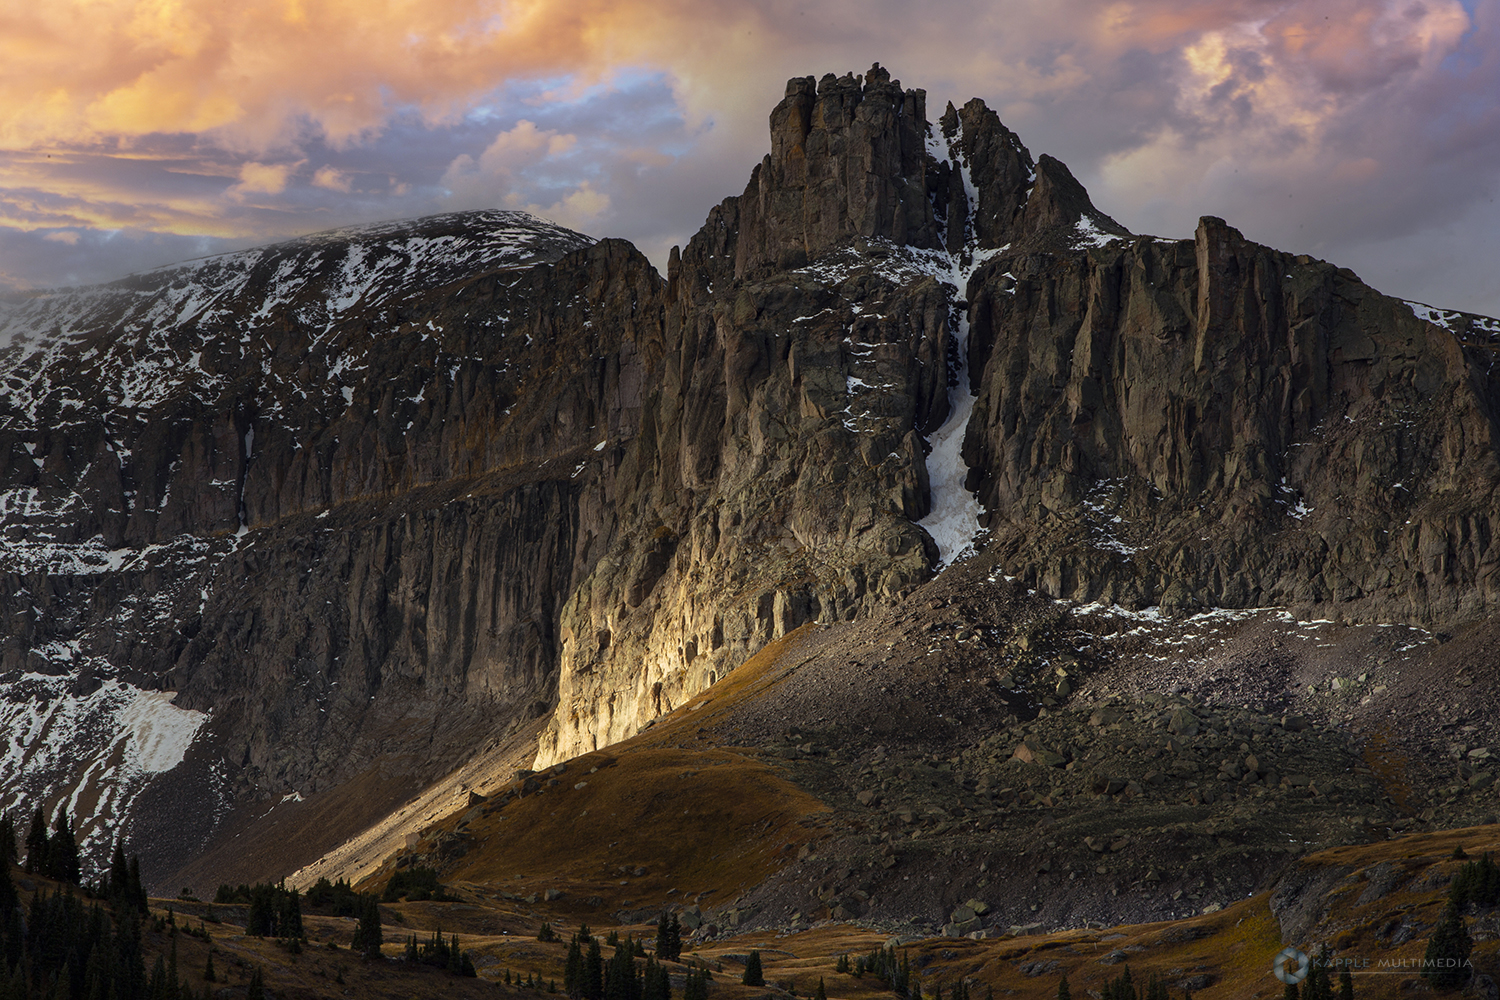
1446, 962
137, 891
119, 874
821, 993
1346, 985
157, 988
367, 934
593, 972
753, 974
9, 899
257, 989
663, 937
1063, 993
290, 920
1291, 992
674, 939
36, 844
62, 852
7, 840
208, 969
655, 983
261, 921
573, 970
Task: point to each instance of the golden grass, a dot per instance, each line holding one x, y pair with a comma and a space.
705, 823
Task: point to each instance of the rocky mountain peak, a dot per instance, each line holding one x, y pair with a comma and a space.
854, 157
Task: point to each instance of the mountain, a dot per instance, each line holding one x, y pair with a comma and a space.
1024, 528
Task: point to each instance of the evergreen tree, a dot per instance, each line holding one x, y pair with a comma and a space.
674, 939
367, 933
1063, 993
208, 969
157, 988
620, 979
663, 942
36, 844
7, 840
696, 987
753, 974
61, 853
545, 932
1446, 962
257, 990
137, 891
573, 970
290, 922
261, 921
593, 972
821, 993
119, 874
1291, 992
9, 899
655, 984
1122, 987
1346, 985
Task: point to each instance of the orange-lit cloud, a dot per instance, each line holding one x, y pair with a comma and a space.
332, 179
264, 178
269, 116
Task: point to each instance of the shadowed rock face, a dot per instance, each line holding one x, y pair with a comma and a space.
1212, 422
378, 497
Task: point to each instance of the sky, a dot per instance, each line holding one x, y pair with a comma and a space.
138, 132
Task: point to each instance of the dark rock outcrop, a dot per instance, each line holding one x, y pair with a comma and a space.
1214, 423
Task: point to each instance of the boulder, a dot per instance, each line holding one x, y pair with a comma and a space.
1183, 723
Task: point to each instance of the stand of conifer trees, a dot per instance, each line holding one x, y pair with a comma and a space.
669, 938
587, 976
53, 856
443, 954
882, 964
337, 899
367, 933
69, 949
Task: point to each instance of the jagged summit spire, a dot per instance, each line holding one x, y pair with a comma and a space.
854, 156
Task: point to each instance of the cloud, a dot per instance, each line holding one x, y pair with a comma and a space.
264, 178
1335, 126
521, 165
332, 179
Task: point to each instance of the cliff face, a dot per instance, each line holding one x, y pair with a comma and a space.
372, 499
1215, 423
331, 493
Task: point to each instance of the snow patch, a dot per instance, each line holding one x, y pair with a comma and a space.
161, 732
1090, 235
